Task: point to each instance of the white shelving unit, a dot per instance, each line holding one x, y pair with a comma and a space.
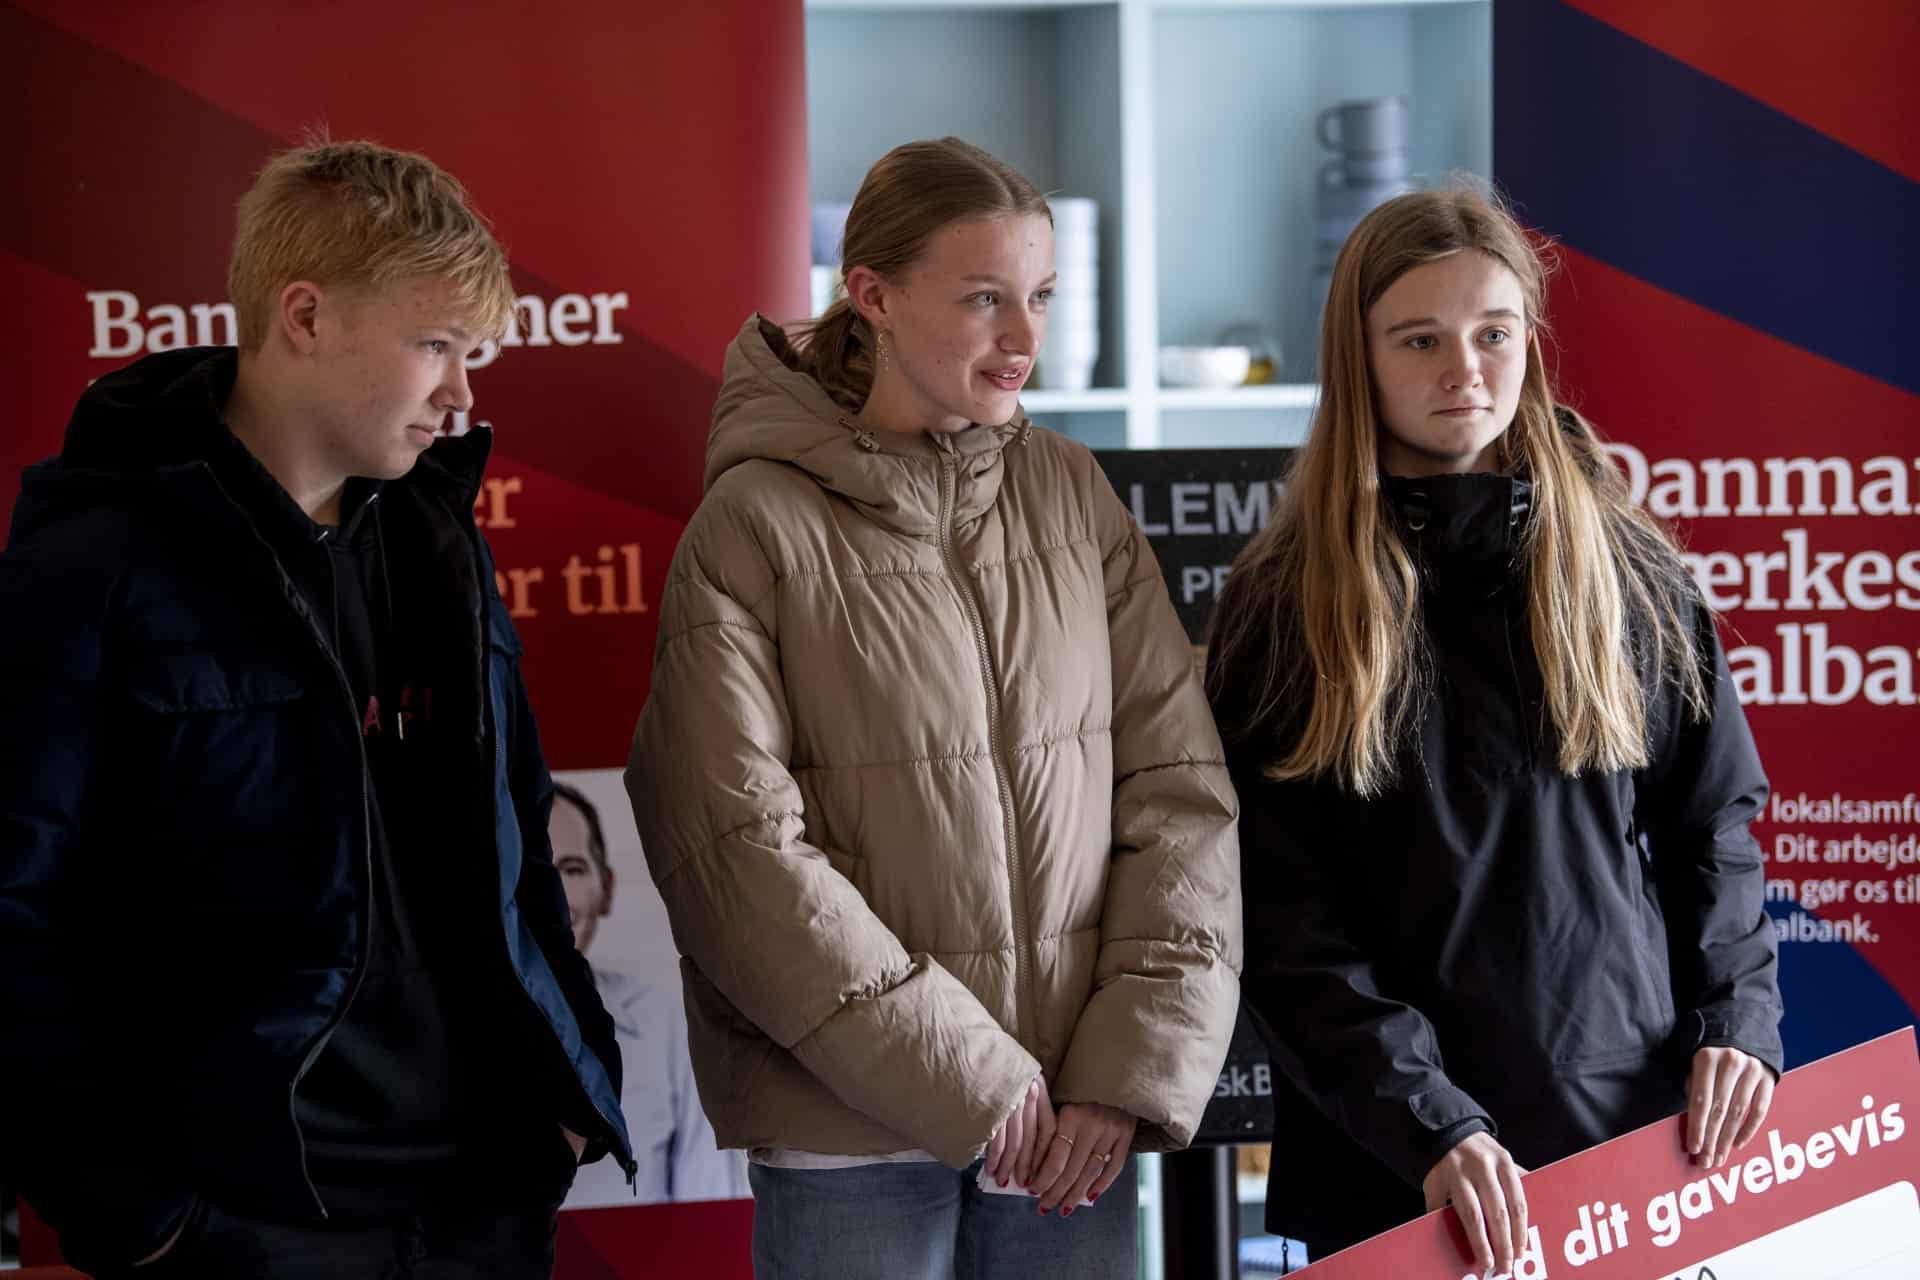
1097, 400
1286, 395
1192, 123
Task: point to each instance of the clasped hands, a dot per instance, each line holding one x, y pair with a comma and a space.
1062, 1158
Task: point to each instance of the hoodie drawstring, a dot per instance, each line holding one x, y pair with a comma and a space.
1022, 432
862, 436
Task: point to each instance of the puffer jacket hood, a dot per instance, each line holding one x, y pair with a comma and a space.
769, 411
929, 787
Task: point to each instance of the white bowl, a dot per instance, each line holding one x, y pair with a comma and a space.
1204, 366
1070, 350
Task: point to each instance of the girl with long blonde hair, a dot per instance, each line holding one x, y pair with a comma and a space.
1501, 901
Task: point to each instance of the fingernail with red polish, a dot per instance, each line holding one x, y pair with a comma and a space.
1066, 1213
1092, 1196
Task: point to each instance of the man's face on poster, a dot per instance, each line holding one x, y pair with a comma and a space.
587, 879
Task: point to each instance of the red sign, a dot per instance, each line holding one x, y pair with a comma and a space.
1826, 1190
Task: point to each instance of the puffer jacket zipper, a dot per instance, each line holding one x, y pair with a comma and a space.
366, 848
1016, 877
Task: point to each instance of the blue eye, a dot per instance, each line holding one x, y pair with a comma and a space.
1421, 342
1043, 297
1496, 336
436, 346
984, 299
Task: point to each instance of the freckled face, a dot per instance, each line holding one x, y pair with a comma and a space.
964, 324
390, 364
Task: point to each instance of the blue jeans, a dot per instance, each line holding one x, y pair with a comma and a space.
923, 1221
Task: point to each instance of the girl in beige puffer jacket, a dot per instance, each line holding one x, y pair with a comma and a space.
927, 779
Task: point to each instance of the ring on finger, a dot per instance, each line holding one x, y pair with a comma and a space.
1063, 1137
1103, 1156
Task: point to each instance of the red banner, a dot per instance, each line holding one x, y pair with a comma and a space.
647, 178
647, 175
1736, 228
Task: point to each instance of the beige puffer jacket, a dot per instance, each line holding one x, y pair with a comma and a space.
930, 788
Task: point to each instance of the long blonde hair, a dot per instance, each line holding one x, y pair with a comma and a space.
1323, 608
909, 194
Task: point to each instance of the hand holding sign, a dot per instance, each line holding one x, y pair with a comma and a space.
1829, 1190
1482, 1183
1728, 1095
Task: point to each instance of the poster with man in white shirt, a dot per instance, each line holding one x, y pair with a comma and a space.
626, 940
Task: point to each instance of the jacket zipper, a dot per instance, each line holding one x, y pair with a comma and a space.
1022, 932
366, 847
359, 966
630, 1166
1528, 745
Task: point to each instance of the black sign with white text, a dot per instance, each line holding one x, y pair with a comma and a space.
1198, 507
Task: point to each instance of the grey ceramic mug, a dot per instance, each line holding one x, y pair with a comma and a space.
1368, 125
1365, 168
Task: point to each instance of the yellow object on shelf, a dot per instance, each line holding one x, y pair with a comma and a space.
1262, 346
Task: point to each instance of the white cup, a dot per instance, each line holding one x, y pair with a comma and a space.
1075, 343
1074, 214
1083, 282
1067, 371
1075, 252
1073, 324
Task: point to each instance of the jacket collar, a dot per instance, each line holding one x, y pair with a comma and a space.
158, 426
1467, 524
768, 410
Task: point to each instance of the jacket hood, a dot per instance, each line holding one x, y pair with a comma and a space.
160, 423
160, 411
772, 412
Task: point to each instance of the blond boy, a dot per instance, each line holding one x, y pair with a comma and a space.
328, 1019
